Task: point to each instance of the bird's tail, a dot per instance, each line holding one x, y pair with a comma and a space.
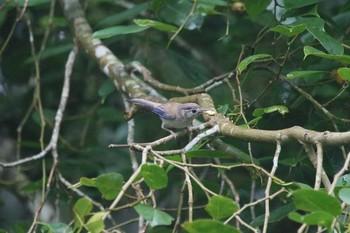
145, 103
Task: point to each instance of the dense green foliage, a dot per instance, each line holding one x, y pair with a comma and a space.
289, 67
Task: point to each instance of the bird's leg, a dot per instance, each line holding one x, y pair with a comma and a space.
170, 131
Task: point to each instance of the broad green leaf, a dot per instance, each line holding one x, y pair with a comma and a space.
291, 4
312, 200
117, 30
289, 30
275, 108
87, 182
109, 184
315, 218
96, 223
315, 52
55, 228
202, 153
208, 226
255, 8
332, 45
155, 217
155, 24
304, 74
81, 208
123, 16
155, 176
344, 195
220, 207
315, 26
344, 72
275, 215
245, 62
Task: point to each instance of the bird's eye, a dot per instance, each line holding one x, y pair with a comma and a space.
194, 111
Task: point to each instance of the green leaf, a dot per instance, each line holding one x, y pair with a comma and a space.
288, 30
155, 217
332, 45
312, 200
304, 74
275, 215
202, 153
117, 30
291, 4
315, 52
344, 72
208, 226
275, 108
315, 218
87, 182
95, 223
109, 184
221, 207
245, 62
155, 24
55, 228
81, 208
344, 195
155, 176
255, 8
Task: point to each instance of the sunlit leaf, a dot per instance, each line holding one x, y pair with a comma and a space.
109, 184
96, 223
344, 72
275, 108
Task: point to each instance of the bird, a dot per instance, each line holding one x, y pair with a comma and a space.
172, 114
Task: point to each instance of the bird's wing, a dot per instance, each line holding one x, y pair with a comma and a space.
162, 113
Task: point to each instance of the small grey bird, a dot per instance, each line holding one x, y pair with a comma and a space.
173, 115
